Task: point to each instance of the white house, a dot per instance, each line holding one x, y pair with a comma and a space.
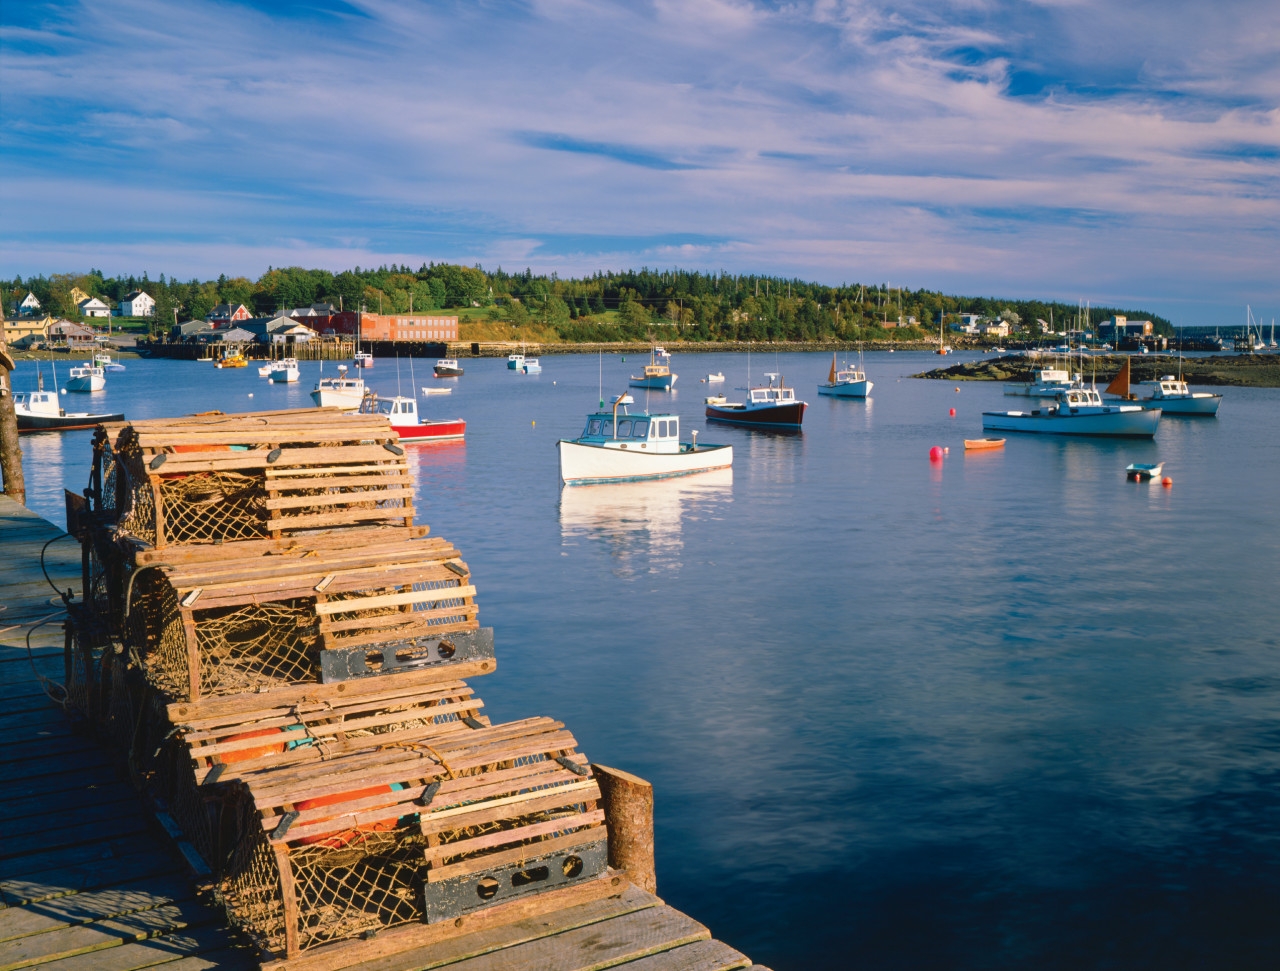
137, 304
29, 305
93, 307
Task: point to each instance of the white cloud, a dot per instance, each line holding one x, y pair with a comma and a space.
813, 135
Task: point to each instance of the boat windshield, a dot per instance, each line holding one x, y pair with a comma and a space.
593, 427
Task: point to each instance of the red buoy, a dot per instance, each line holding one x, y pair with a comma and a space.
953, 412
935, 454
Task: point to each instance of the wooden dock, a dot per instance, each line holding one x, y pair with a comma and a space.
91, 880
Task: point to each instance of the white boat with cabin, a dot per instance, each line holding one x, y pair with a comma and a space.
340, 392
1172, 396
284, 371
104, 361
1078, 411
86, 377
657, 377
846, 382
617, 446
39, 411
363, 359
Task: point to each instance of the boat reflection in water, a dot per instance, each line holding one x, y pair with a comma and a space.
642, 522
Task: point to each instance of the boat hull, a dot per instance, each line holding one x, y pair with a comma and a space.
1196, 404
788, 415
661, 383
283, 376
62, 423
448, 372
979, 444
1131, 422
95, 383
432, 431
347, 401
846, 389
594, 464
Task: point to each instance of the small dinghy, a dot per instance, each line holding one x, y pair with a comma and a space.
980, 443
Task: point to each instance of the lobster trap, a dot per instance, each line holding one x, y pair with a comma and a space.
370, 603
421, 831
225, 478
216, 742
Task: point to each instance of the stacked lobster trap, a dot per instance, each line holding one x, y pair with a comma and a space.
282, 654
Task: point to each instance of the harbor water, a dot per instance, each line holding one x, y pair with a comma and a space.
1004, 710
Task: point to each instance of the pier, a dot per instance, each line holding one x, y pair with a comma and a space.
95, 878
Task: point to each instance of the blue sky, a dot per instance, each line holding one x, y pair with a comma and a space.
1120, 152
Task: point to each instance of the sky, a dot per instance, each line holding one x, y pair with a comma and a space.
1122, 153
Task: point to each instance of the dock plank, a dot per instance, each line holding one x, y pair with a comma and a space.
93, 905
83, 938
193, 950
597, 946
708, 955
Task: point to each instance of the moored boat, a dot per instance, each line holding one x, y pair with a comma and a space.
86, 377
1172, 396
340, 392
617, 446
846, 382
1077, 411
1143, 470
515, 362
775, 406
403, 414
447, 367
236, 360
978, 444
656, 376
39, 411
531, 365
363, 359
713, 378
284, 371
104, 361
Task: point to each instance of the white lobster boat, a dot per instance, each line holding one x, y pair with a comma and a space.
617, 446
284, 371
86, 377
340, 392
1077, 411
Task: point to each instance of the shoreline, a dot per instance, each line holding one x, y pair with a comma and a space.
1241, 371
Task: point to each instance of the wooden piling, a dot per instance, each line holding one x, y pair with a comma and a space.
628, 813
10, 451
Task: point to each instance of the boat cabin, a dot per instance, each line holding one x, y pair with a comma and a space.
771, 395
1077, 398
401, 411
655, 433
341, 384
1169, 386
37, 403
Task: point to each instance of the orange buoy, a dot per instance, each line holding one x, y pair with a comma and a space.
1167, 483
226, 758
346, 837
957, 390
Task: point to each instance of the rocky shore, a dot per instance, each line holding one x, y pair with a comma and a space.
1241, 370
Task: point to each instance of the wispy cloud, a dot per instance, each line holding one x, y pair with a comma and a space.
1060, 147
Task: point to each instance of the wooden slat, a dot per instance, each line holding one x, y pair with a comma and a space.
394, 600
341, 498
515, 834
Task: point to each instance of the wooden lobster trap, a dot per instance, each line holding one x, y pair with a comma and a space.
223, 478
254, 616
411, 831
213, 743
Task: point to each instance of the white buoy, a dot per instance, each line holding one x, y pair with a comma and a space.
250, 394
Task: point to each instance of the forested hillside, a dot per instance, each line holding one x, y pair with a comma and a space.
605, 306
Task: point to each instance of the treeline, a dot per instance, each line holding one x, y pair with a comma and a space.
606, 306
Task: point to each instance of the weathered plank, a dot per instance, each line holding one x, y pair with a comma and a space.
94, 905
197, 949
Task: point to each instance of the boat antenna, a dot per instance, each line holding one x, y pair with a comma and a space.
600, 376
412, 382
397, 372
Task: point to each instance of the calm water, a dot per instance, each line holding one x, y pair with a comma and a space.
1008, 710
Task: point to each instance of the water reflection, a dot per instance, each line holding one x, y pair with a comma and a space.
640, 522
